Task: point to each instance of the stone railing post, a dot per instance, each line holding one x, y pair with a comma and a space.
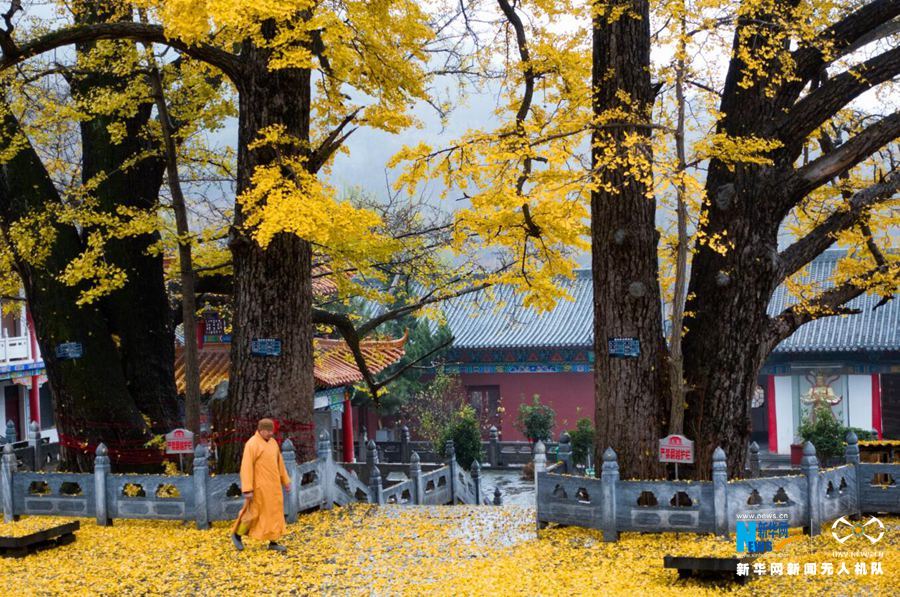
34, 442
540, 461
754, 460
809, 464
415, 475
371, 458
494, 447
564, 453
404, 444
7, 470
325, 470
101, 472
201, 485
450, 451
476, 481
720, 492
376, 491
292, 503
851, 452
609, 478
10, 432
851, 457
363, 445
372, 453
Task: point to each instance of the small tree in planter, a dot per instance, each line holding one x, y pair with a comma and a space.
827, 434
536, 420
463, 429
582, 440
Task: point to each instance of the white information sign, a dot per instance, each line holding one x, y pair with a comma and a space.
179, 441
676, 448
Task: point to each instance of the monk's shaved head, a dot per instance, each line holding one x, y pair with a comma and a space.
265, 425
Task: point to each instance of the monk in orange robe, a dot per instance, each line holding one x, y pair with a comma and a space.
262, 476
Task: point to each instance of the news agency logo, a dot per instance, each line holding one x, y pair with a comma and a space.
843, 530
758, 534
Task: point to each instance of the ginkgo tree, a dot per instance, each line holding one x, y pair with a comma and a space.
82, 233
582, 133
768, 82
305, 75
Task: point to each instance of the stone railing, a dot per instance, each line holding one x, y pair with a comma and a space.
809, 499
497, 453
33, 453
319, 483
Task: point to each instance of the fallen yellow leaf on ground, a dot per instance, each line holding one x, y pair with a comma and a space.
458, 550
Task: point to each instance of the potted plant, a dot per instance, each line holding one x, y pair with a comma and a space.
826, 433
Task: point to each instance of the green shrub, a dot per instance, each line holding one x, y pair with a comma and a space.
463, 430
863, 434
827, 434
536, 420
582, 440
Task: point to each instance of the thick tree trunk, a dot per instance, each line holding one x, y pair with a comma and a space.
732, 282
139, 313
92, 403
272, 286
629, 392
723, 350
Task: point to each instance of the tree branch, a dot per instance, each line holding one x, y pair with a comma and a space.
809, 113
831, 302
318, 49
530, 76
822, 236
6, 41
412, 364
351, 336
331, 143
844, 36
352, 333
884, 30
821, 170
230, 64
510, 13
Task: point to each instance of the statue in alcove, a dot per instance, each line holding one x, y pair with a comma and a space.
820, 393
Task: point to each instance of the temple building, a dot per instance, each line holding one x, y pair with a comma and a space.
505, 354
335, 373
26, 393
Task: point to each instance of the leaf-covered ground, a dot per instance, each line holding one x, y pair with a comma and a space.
459, 550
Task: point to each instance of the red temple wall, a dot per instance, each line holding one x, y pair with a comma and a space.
571, 395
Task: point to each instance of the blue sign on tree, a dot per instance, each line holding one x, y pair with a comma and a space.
265, 347
69, 350
624, 348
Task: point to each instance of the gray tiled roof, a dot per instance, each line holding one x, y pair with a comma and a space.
481, 321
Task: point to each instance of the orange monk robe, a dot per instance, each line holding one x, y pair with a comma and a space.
263, 472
